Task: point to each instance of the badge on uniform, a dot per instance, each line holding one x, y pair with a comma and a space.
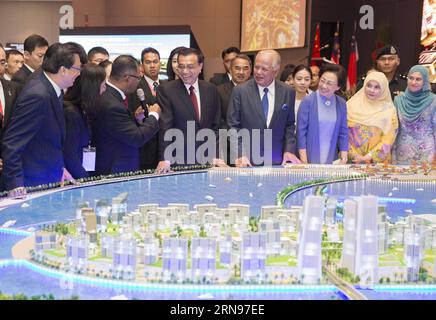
88, 162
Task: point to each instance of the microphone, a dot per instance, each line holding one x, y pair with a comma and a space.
141, 96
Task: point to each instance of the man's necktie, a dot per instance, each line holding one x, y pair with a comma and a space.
194, 102
61, 98
155, 85
265, 104
1, 107
126, 103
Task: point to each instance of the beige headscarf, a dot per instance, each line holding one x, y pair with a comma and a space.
377, 113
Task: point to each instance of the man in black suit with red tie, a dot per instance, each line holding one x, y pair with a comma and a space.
34, 136
117, 132
187, 102
35, 48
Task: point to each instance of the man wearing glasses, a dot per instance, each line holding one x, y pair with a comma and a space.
34, 138
117, 132
387, 61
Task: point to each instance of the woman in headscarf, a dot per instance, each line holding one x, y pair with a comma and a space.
372, 121
416, 141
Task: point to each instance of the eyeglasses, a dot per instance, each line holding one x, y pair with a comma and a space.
134, 76
76, 68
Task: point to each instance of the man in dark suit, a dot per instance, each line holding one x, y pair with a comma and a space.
227, 55
240, 69
34, 137
117, 132
188, 104
267, 105
35, 48
7, 98
149, 83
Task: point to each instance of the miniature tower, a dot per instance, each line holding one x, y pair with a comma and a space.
272, 231
360, 247
225, 249
102, 211
348, 259
309, 251
330, 213
414, 247
119, 207
77, 252
253, 256
124, 259
367, 240
45, 240
203, 258
151, 248
174, 258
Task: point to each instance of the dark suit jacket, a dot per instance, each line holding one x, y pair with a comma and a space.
10, 93
117, 136
20, 77
34, 138
77, 137
177, 110
219, 78
148, 158
225, 92
245, 111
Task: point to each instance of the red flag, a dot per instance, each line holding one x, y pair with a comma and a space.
316, 53
352, 65
336, 51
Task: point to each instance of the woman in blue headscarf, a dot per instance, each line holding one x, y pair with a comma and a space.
416, 140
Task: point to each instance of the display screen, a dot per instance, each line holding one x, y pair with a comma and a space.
274, 24
132, 40
130, 44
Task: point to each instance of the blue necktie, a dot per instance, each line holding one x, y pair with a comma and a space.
265, 103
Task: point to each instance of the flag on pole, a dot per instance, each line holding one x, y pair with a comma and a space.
316, 53
336, 51
352, 63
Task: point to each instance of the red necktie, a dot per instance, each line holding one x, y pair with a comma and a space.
126, 103
195, 103
1, 106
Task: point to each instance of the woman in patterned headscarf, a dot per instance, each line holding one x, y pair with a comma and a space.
416, 141
372, 121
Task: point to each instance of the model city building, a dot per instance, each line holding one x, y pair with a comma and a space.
227, 245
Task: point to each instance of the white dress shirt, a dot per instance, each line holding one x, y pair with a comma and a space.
54, 85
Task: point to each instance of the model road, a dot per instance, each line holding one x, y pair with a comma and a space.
344, 286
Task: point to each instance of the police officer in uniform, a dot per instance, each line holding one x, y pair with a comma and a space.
387, 61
